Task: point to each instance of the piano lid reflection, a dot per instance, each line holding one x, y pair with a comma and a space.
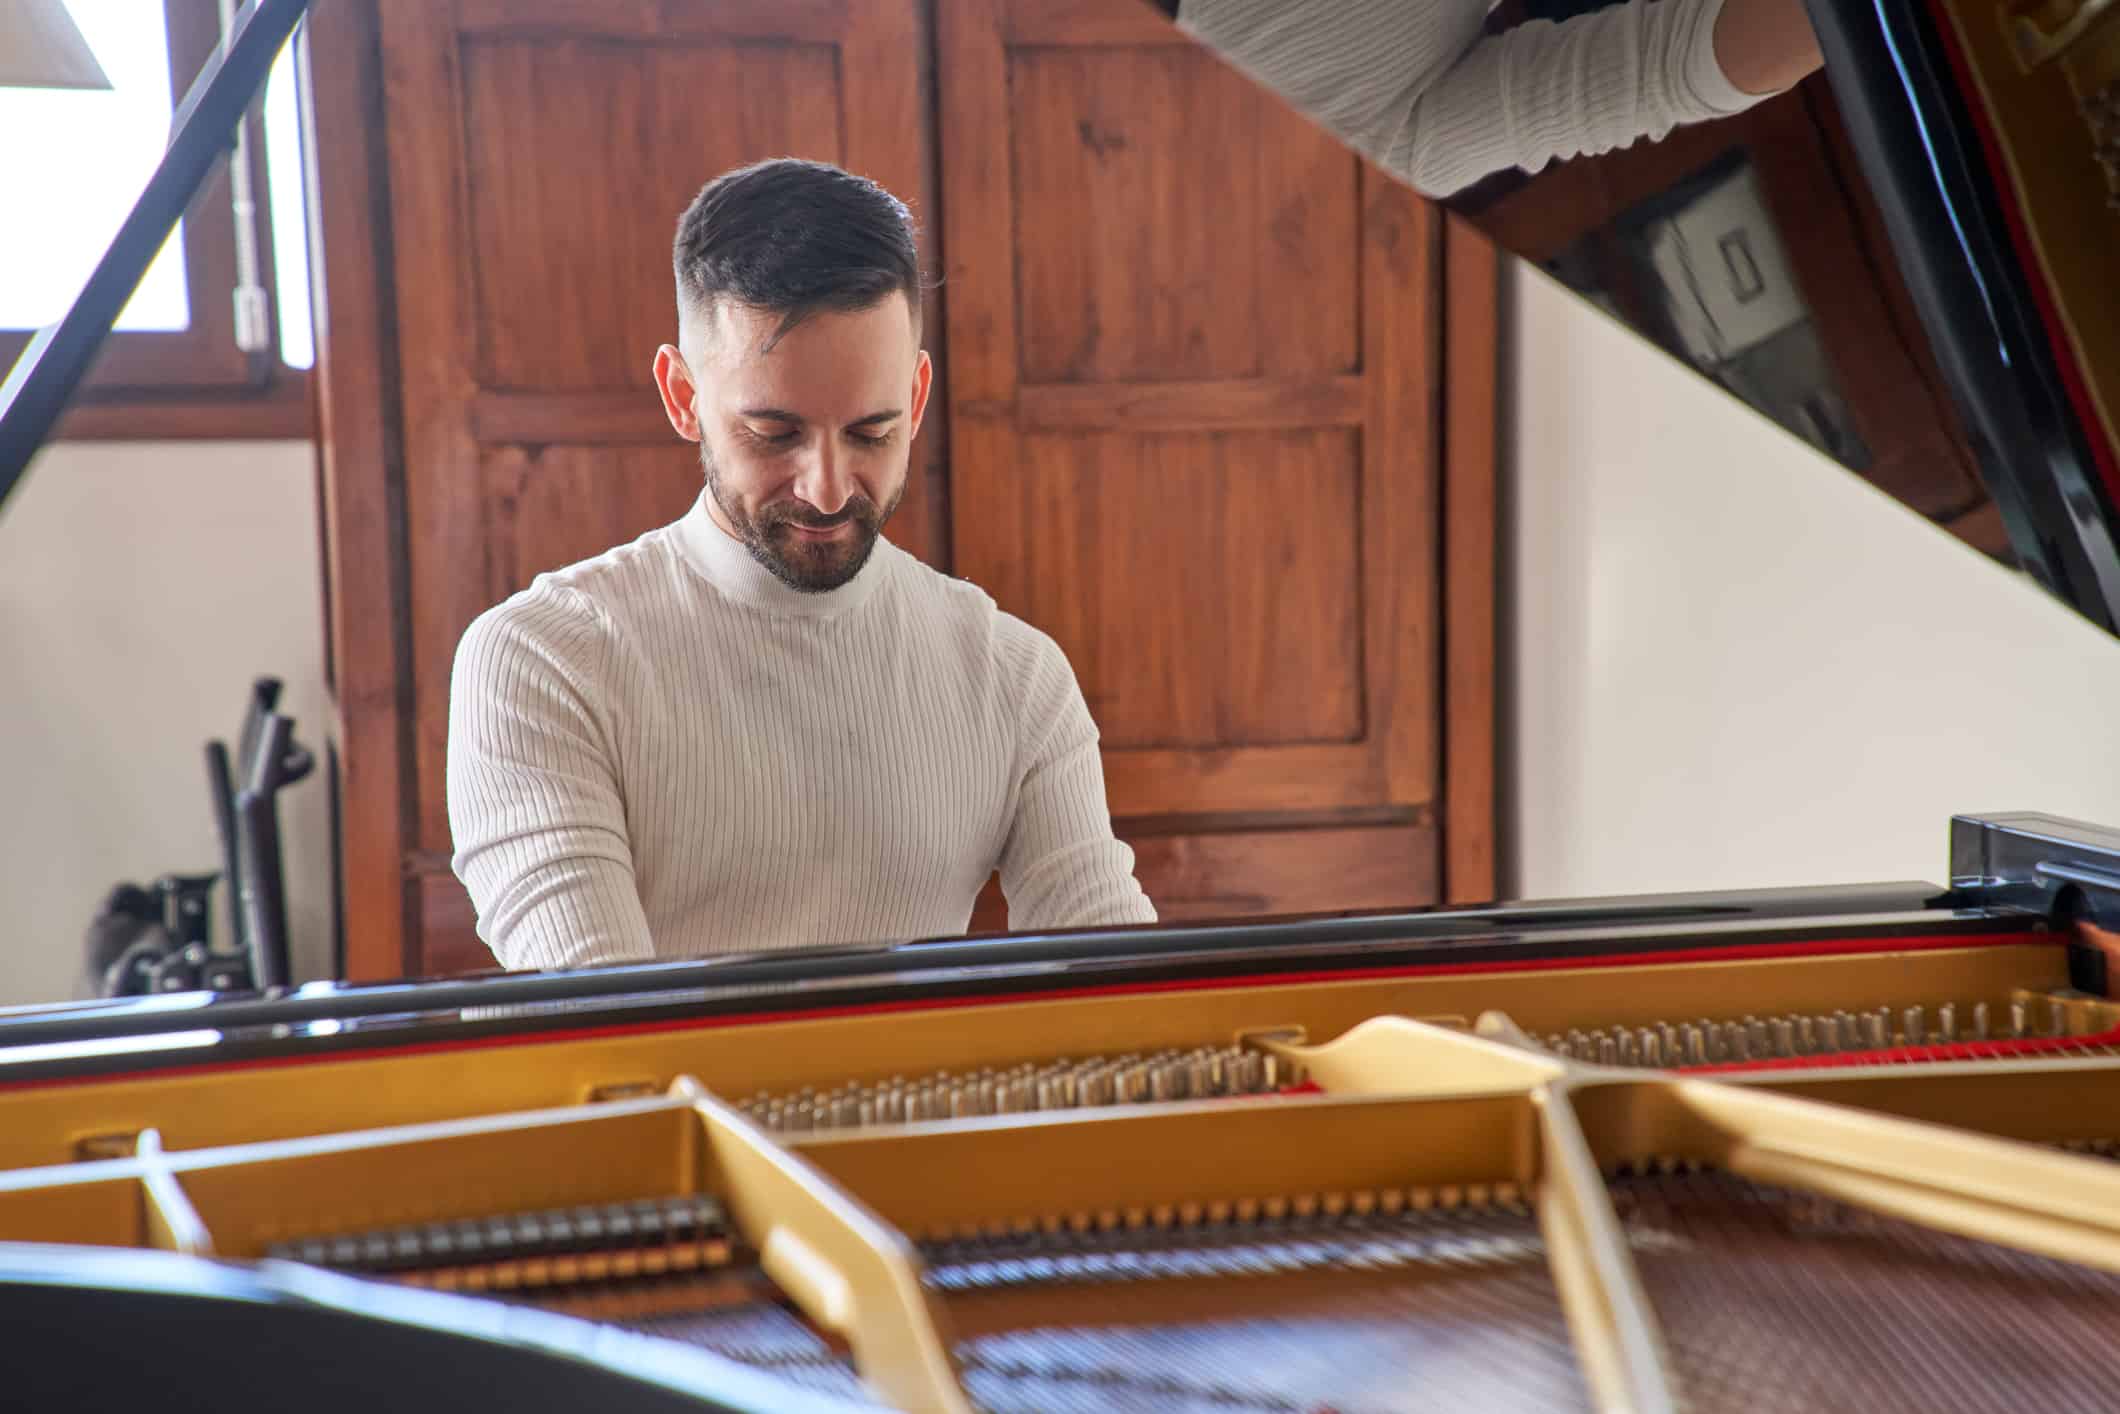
1933, 214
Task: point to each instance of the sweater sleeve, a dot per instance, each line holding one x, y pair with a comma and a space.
1061, 866
1416, 87
534, 806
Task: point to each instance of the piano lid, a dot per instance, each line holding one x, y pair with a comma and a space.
1910, 260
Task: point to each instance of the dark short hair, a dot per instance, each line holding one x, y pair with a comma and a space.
796, 237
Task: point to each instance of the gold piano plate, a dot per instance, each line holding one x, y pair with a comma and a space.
1452, 1219
758, 1063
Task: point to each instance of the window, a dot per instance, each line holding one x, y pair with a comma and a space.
172, 365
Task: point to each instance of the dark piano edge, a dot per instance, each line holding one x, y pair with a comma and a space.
1527, 931
2026, 872
136, 1318
1995, 862
1942, 205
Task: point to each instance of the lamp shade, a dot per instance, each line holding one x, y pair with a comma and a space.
40, 47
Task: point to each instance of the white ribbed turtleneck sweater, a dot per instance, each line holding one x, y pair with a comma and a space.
1415, 86
666, 752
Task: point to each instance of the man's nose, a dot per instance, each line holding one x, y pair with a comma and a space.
826, 480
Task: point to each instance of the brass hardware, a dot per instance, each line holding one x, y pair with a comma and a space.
623, 1090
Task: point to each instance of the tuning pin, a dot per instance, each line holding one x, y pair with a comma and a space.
1947, 1023
1200, 1078
1696, 1046
2019, 1021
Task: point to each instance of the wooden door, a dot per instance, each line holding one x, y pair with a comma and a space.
1193, 393
539, 154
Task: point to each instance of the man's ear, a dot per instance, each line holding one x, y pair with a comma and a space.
679, 394
923, 378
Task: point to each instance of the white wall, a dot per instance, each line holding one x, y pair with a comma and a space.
142, 586
1734, 663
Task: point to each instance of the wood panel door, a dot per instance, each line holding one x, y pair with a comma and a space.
539, 155
1193, 393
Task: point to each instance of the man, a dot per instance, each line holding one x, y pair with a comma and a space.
765, 726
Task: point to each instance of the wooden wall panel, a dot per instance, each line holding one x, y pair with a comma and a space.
1471, 563
540, 155
548, 507
1203, 584
1196, 431
581, 152
1249, 873
360, 467
1190, 416
1151, 264
1253, 873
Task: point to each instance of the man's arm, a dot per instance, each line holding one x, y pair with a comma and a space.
534, 805
1062, 867
1416, 87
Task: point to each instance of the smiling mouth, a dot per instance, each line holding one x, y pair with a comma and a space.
819, 532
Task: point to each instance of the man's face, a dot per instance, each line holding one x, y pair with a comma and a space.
805, 443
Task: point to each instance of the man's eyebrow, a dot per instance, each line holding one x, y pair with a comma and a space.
782, 415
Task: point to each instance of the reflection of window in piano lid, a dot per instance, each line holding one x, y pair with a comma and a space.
1717, 267
93, 153
1702, 268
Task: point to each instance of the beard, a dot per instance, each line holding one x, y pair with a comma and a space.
812, 566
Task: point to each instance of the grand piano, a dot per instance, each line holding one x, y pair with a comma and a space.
1807, 1148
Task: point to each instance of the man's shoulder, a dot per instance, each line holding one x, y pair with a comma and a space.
971, 612
620, 577
575, 610
1019, 661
